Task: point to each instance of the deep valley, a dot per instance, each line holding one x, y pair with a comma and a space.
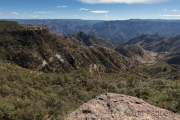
49, 68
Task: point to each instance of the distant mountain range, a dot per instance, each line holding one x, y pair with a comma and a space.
34, 47
43, 50
59, 26
156, 43
168, 48
118, 31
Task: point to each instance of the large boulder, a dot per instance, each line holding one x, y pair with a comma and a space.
111, 106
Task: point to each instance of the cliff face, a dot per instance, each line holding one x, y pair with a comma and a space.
111, 106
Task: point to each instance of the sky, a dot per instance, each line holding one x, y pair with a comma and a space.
90, 9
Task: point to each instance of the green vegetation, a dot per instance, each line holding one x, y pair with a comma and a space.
26, 94
6, 26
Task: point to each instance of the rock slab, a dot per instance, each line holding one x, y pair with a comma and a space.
110, 106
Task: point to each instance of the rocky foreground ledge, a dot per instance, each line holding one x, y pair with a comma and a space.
111, 106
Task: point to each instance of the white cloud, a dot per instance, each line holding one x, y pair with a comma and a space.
15, 13
100, 11
62, 6
44, 12
83, 9
121, 1
165, 9
170, 15
75, 15
174, 10
35, 16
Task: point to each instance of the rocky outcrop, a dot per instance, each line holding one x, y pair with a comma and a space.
111, 106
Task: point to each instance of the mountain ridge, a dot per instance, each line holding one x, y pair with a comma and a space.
42, 50
156, 43
118, 31
88, 40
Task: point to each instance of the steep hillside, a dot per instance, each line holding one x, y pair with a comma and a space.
156, 43
88, 40
144, 39
137, 53
173, 58
34, 47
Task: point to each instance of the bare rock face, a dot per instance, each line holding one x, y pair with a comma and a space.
111, 106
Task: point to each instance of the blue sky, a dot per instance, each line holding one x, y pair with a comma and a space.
90, 9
